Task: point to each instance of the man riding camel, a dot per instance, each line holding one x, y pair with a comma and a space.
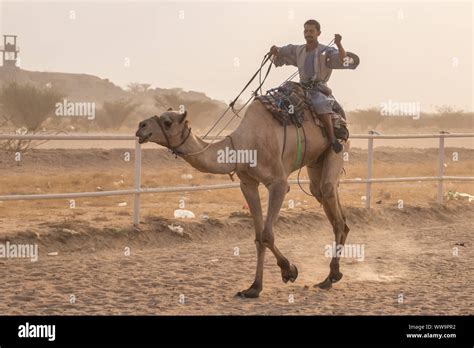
313, 71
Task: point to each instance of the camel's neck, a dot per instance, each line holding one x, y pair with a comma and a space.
208, 160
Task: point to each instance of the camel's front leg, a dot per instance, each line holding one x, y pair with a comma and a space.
277, 191
250, 191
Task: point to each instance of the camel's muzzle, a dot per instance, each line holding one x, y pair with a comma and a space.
143, 138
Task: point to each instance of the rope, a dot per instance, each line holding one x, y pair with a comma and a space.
223, 128
266, 58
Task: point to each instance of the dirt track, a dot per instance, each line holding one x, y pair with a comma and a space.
417, 262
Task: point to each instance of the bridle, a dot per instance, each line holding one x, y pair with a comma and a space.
174, 149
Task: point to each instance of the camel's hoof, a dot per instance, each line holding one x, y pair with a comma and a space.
325, 285
290, 275
249, 293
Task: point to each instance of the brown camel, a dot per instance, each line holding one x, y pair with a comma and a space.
259, 131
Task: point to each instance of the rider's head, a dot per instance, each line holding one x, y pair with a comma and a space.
312, 30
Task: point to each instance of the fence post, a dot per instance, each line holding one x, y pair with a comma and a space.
440, 167
368, 185
137, 183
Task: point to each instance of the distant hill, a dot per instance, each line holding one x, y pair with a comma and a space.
80, 87
202, 110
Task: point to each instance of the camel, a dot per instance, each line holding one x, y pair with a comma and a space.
259, 131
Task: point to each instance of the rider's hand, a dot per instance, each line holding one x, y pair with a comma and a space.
273, 50
337, 39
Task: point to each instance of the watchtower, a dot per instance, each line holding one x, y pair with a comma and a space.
9, 51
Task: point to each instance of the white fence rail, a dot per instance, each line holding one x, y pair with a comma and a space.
138, 190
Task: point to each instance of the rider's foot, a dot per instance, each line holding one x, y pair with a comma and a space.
337, 146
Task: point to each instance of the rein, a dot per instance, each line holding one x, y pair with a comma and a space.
266, 58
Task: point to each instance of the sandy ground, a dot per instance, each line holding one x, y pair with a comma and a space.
421, 253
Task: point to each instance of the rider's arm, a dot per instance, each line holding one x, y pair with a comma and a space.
342, 51
285, 55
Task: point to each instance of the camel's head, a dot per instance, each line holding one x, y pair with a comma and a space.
168, 129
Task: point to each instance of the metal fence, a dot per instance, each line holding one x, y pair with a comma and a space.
138, 190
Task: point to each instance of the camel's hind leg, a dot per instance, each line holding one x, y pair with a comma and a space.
324, 177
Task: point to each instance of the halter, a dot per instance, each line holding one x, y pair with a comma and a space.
174, 149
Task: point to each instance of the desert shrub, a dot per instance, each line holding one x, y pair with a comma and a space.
26, 105
113, 114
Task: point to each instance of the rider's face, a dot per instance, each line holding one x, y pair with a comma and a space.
311, 33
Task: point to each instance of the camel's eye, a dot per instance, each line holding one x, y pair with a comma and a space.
168, 123
142, 125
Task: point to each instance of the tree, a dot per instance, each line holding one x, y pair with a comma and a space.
113, 114
367, 119
136, 87
26, 105
26, 108
448, 110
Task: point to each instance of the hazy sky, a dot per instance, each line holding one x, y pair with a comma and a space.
410, 52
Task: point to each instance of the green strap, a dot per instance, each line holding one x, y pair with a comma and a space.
297, 163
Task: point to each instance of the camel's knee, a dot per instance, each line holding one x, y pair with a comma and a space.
269, 242
260, 245
327, 190
267, 238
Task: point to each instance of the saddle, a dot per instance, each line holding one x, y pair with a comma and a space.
288, 103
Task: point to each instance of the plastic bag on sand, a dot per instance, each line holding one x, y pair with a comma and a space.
183, 214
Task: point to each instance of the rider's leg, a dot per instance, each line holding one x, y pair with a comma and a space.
323, 106
327, 122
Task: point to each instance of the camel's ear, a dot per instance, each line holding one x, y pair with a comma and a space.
183, 116
169, 109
